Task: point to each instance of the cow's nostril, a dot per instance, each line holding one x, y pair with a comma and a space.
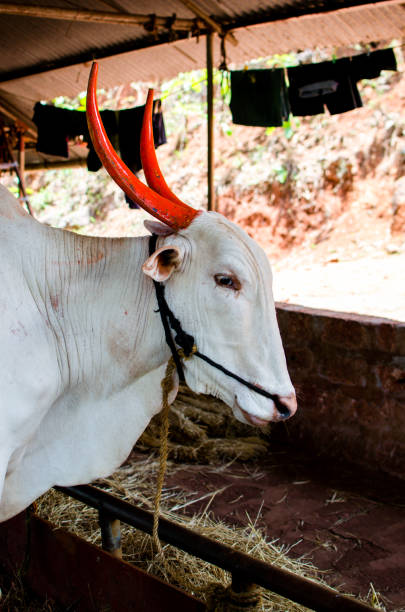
282, 409
286, 405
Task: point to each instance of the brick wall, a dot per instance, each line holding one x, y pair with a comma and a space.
349, 371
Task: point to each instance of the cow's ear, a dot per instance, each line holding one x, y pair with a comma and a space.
162, 263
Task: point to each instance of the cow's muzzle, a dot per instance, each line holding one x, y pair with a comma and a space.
284, 407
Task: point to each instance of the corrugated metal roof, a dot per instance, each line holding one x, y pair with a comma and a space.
261, 28
30, 43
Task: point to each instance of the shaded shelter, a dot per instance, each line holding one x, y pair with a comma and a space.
47, 51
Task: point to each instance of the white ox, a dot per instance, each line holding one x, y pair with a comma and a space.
83, 351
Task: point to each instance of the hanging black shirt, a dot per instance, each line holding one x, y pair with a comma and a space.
334, 84
259, 97
313, 86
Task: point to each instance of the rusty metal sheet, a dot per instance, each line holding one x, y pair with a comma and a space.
80, 575
13, 542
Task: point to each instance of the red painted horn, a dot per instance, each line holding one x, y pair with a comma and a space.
153, 173
176, 216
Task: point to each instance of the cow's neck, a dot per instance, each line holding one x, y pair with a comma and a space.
102, 310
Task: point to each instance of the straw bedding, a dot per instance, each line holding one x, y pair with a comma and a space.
134, 482
203, 430
200, 431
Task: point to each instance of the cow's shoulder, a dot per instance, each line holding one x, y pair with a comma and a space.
88, 436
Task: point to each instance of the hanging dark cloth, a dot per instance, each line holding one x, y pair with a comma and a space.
56, 126
369, 65
334, 84
329, 84
259, 97
109, 119
129, 133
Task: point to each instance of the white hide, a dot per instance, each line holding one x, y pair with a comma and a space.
82, 348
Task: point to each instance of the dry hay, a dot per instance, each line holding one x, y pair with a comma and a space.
16, 597
135, 482
203, 430
180, 569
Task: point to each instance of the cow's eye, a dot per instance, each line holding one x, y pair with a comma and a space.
228, 281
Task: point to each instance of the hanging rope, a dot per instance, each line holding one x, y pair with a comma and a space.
167, 385
223, 65
219, 598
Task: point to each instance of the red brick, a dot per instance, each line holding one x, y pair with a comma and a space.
385, 337
371, 415
391, 377
295, 327
400, 339
341, 367
299, 360
346, 333
351, 373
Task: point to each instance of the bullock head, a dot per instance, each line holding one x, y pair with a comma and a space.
218, 283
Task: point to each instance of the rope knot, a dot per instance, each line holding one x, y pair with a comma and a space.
185, 341
225, 599
186, 355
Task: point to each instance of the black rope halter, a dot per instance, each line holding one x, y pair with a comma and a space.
186, 342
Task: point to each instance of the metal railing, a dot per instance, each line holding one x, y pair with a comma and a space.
244, 568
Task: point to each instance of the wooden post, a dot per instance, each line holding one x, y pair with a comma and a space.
23, 193
210, 122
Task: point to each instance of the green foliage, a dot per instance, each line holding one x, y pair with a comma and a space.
280, 173
43, 198
288, 128
284, 60
78, 103
225, 85
226, 128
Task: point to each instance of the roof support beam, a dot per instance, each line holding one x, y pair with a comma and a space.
300, 11
125, 19
59, 165
212, 23
210, 122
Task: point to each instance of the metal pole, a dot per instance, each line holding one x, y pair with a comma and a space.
210, 122
110, 534
246, 569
